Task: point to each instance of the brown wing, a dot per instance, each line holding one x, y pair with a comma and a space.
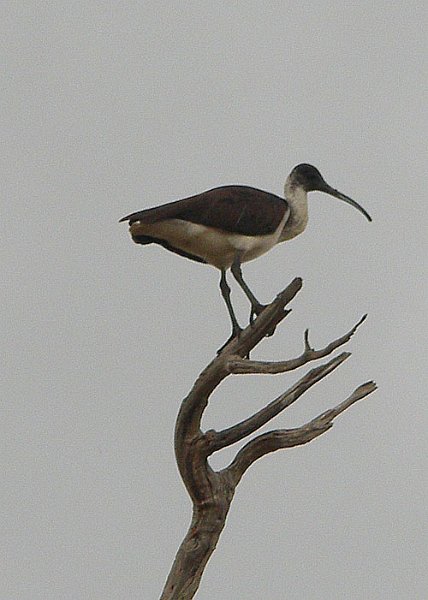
234, 208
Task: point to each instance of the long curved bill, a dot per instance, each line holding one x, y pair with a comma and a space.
329, 190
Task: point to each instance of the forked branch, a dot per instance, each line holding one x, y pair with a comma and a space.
287, 438
233, 434
212, 491
237, 365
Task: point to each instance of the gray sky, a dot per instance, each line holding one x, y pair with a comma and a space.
112, 107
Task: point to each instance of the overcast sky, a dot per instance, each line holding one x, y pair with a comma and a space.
110, 107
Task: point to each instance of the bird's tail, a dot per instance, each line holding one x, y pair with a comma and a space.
132, 217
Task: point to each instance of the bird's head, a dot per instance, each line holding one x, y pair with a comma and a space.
310, 179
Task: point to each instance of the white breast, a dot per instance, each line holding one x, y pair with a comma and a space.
216, 247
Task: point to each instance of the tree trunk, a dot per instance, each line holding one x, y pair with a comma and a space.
208, 521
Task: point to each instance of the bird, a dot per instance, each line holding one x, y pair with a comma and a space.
233, 224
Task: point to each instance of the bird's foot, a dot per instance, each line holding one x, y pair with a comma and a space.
256, 309
236, 332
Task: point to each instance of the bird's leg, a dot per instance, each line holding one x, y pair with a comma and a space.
256, 306
225, 292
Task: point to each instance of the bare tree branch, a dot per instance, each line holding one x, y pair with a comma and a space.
212, 491
237, 365
265, 323
287, 438
221, 439
360, 392
190, 444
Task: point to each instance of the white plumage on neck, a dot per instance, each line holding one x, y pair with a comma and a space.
297, 199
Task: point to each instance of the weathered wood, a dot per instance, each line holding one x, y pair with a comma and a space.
212, 491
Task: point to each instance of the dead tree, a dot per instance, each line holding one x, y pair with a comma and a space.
212, 491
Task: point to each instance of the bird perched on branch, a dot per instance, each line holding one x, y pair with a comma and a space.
233, 224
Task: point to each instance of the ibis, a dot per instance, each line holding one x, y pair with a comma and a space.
229, 225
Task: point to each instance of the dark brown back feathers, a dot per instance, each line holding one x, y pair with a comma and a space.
237, 209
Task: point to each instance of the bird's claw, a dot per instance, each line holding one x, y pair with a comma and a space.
256, 309
236, 332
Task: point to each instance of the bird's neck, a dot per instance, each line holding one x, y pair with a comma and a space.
297, 199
